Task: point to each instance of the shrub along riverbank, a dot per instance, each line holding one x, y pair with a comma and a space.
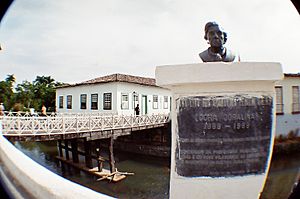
286, 145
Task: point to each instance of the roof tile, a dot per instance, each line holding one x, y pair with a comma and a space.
118, 78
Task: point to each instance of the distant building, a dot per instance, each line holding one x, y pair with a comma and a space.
288, 105
117, 93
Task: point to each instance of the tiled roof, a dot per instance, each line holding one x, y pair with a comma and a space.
133, 79
117, 78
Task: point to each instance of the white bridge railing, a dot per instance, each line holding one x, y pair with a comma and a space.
16, 124
24, 178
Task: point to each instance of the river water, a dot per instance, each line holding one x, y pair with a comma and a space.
151, 179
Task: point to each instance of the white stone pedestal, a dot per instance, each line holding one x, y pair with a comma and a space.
223, 124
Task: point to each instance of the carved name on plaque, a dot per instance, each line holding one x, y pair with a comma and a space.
223, 135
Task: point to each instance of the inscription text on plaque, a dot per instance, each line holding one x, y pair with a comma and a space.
223, 135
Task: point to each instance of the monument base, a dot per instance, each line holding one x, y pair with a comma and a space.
222, 127
247, 187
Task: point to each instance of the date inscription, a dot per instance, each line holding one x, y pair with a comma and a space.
220, 136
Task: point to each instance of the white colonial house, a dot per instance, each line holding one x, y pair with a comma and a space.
117, 94
288, 105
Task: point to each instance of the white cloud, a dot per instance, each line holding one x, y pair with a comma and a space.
77, 40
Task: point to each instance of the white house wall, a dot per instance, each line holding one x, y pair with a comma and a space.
285, 123
288, 122
117, 89
140, 90
76, 91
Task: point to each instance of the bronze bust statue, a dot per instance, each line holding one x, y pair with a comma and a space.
216, 37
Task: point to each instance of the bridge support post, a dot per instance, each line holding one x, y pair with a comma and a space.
60, 151
222, 127
111, 155
88, 154
74, 146
67, 149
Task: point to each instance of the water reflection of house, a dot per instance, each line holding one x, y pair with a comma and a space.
117, 93
287, 105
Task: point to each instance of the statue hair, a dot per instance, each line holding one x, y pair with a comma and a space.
211, 24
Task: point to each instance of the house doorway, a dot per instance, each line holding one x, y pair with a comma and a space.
144, 108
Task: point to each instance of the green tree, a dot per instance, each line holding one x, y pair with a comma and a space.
6, 91
44, 92
34, 94
25, 94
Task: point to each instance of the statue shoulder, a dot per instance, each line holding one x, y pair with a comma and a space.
204, 56
230, 56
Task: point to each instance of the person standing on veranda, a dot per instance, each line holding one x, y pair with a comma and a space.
137, 110
44, 109
2, 109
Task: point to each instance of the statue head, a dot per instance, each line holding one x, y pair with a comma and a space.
216, 38
215, 35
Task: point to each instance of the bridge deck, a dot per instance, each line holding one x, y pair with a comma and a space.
66, 126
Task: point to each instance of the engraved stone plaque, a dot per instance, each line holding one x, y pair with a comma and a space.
222, 136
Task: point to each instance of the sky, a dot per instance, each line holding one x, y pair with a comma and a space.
74, 40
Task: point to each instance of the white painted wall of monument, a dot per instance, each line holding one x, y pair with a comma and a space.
209, 79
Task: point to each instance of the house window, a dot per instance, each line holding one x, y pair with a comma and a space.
83, 101
279, 100
166, 99
94, 101
107, 101
124, 101
295, 105
69, 101
155, 102
61, 102
135, 100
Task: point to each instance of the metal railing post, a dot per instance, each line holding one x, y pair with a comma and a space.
48, 125
77, 123
32, 122
89, 122
18, 124
63, 123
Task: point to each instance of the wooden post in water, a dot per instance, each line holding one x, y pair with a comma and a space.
74, 146
67, 149
88, 154
60, 148
111, 155
100, 160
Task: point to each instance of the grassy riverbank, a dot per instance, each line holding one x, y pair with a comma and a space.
284, 169
286, 145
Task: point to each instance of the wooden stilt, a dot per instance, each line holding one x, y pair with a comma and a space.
74, 146
104, 174
67, 149
161, 136
111, 155
60, 151
88, 154
100, 161
99, 164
